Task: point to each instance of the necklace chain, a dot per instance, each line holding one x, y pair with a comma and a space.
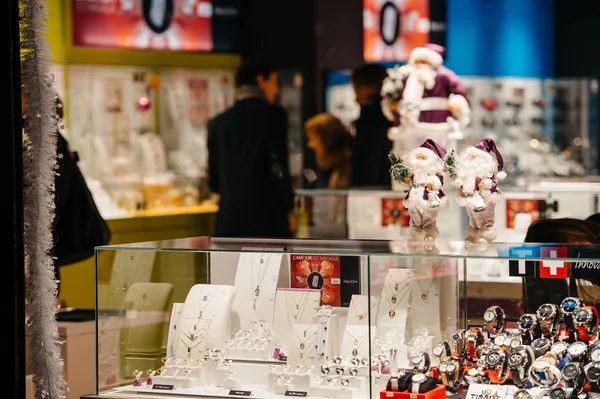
177, 319
356, 342
261, 274
361, 316
206, 298
425, 293
397, 296
305, 342
297, 307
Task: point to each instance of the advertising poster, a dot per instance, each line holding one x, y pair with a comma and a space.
393, 212
393, 28
318, 272
514, 207
174, 25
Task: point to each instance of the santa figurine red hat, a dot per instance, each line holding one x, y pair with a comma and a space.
489, 146
431, 53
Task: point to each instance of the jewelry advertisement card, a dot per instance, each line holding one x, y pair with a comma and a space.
324, 272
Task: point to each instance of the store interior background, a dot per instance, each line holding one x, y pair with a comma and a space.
496, 46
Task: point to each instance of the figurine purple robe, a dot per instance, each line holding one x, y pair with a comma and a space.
425, 100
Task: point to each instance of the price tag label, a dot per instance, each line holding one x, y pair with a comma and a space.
163, 387
237, 392
486, 391
301, 394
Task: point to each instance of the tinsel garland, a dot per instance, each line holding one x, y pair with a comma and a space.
40, 171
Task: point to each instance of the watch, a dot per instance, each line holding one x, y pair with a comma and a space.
594, 351
573, 374
586, 323
522, 394
592, 371
416, 381
544, 374
497, 365
558, 393
457, 341
394, 381
451, 372
441, 350
577, 350
569, 305
549, 319
540, 346
474, 338
484, 348
560, 349
475, 375
494, 319
421, 362
527, 325
519, 361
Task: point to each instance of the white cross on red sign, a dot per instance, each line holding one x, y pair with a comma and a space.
553, 268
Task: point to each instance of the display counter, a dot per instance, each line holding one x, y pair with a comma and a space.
78, 280
337, 319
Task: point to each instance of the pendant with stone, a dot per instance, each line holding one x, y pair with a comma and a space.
396, 287
424, 296
394, 299
392, 313
302, 346
354, 352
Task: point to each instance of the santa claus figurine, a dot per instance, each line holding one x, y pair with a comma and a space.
424, 100
475, 173
419, 173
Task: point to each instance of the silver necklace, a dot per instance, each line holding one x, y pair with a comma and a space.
304, 342
174, 337
356, 342
206, 298
197, 333
261, 274
297, 307
190, 347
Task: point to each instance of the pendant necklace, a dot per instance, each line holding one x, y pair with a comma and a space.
197, 332
356, 342
189, 348
297, 307
128, 274
361, 316
395, 302
206, 298
425, 293
396, 287
174, 337
260, 274
305, 341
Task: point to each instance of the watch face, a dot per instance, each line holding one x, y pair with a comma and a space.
493, 358
442, 368
489, 316
527, 322
546, 311
499, 340
522, 394
582, 316
437, 350
595, 355
417, 359
570, 370
515, 359
541, 343
419, 377
593, 373
569, 306
577, 349
557, 393
456, 337
559, 347
514, 342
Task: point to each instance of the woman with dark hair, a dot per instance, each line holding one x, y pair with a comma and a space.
595, 218
568, 231
331, 143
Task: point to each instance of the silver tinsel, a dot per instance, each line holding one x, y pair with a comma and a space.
40, 170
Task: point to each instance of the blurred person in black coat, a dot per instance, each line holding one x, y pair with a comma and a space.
370, 165
248, 159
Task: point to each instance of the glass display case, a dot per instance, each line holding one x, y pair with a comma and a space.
202, 317
140, 133
372, 214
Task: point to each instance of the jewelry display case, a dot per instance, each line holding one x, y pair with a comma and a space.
140, 133
210, 317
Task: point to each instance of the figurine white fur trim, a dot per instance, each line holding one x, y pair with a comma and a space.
431, 57
464, 111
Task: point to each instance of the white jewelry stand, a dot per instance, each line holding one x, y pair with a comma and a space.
175, 326
301, 344
400, 279
206, 301
294, 305
425, 298
252, 277
129, 266
358, 311
356, 343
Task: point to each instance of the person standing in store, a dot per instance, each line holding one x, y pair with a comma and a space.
370, 165
248, 159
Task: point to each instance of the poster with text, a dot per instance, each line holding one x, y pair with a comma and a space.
318, 272
393, 28
176, 25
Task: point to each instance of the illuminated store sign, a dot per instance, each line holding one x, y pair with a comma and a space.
393, 28
174, 25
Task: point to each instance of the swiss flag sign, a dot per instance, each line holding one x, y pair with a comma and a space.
553, 268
